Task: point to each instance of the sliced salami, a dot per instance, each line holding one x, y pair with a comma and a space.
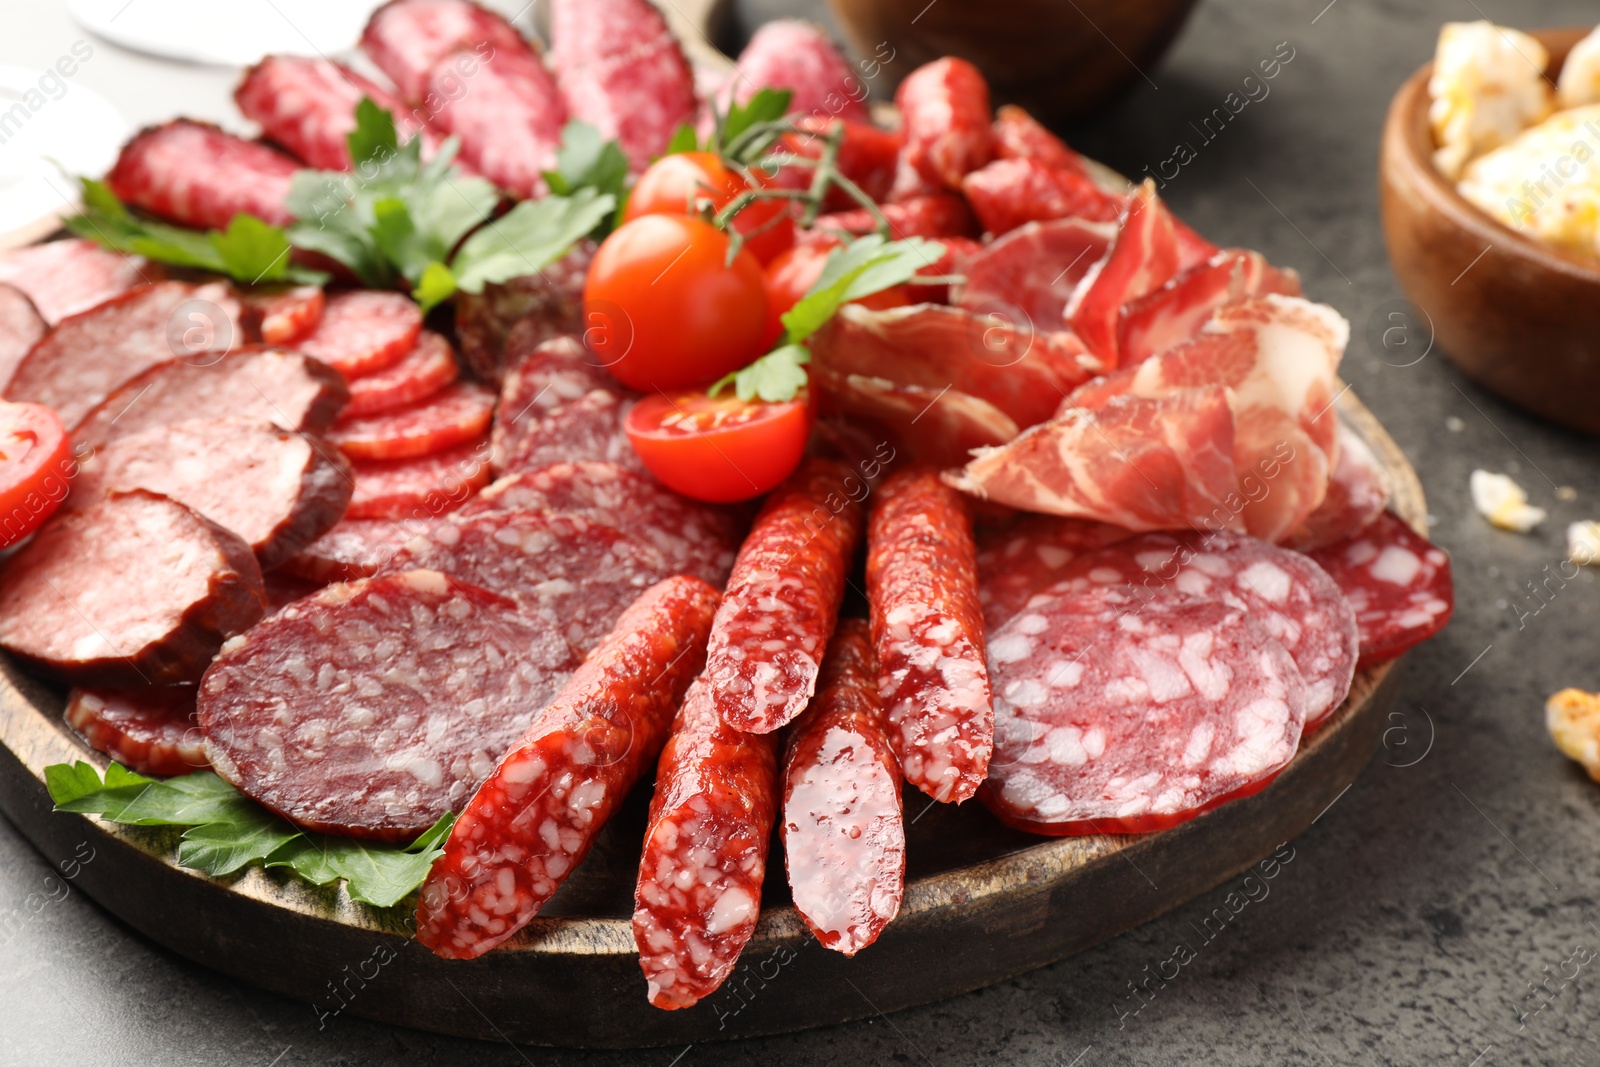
195, 174
798, 56
692, 537
540, 307
1023, 558
406, 38
355, 548
153, 731
296, 715
308, 105
1358, 492
422, 372
135, 590
1398, 582
536, 816
1028, 275
20, 328
927, 632
557, 405
364, 331
455, 415
72, 275
420, 488
621, 69
272, 385
577, 575
944, 107
1288, 594
1120, 714
88, 355
282, 314
276, 490
844, 837
705, 852
481, 97
783, 597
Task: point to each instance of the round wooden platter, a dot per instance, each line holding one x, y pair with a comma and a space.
982, 902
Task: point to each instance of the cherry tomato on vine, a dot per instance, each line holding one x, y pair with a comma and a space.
661, 310
681, 184
719, 449
35, 463
790, 276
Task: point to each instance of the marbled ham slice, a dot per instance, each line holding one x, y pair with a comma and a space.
1120, 714
1358, 491
1028, 275
1146, 463
1175, 312
1278, 356
935, 426
1021, 372
1141, 259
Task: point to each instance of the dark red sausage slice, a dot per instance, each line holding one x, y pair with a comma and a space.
557, 404
273, 385
1120, 714
405, 38
927, 632
705, 852
364, 331
844, 837
453, 416
422, 372
1398, 582
480, 97
276, 490
1026, 557
282, 314
355, 548
537, 307
421, 488
80, 362
195, 174
536, 816
153, 731
783, 597
372, 708
135, 590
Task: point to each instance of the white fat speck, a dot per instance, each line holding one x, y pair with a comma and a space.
733, 908
1010, 648
1267, 579
1066, 746
1396, 565
1161, 676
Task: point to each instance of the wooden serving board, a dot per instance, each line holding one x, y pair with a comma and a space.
982, 902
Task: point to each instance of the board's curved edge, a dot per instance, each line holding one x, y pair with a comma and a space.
1007, 915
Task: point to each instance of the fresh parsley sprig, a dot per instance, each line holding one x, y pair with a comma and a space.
249, 250
865, 266
227, 831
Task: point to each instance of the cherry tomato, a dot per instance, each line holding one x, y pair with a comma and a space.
35, 467
662, 311
683, 183
719, 449
797, 270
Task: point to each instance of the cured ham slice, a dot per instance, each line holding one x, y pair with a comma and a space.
1141, 462
1176, 311
1279, 357
1358, 491
1029, 274
937, 426
1018, 135
1023, 373
1010, 192
1141, 259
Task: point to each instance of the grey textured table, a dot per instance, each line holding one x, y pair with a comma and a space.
1417, 920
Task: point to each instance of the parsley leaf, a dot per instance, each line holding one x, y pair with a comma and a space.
228, 831
436, 285
527, 238
744, 133
249, 250
587, 161
775, 377
865, 266
683, 140
374, 136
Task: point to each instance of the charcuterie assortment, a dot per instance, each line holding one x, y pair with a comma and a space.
502, 431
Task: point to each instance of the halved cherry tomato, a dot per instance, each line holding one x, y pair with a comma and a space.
36, 466
719, 449
683, 183
797, 270
661, 310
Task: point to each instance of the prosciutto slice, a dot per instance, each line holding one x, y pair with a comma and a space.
1175, 312
1141, 462
1028, 275
1143, 257
937, 426
1022, 372
1358, 491
1278, 357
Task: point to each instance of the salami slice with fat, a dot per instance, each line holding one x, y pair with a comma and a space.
135, 590
20, 328
153, 731
195, 174
481, 97
426, 369
797, 56
537, 815
453, 416
72, 275
705, 853
372, 708
1023, 558
355, 548
364, 331
421, 488
539, 307
405, 38
272, 385
557, 404
1398, 582
276, 490
1116, 714
282, 314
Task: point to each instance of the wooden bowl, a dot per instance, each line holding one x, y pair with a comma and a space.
1517, 315
1060, 60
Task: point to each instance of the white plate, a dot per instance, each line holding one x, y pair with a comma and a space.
50, 128
226, 32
